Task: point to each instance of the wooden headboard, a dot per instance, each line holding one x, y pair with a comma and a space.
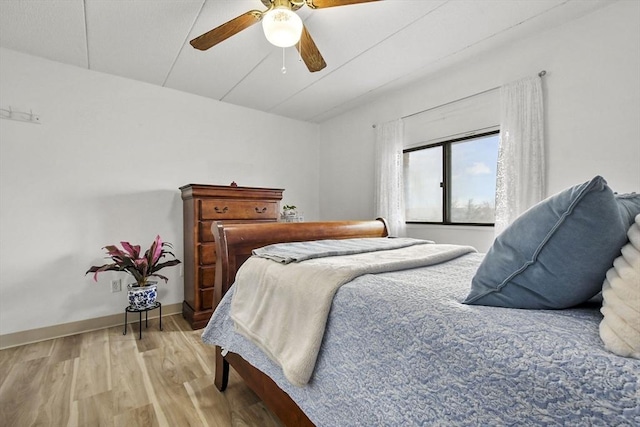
234, 242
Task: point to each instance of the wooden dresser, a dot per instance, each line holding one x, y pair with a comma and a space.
203, 204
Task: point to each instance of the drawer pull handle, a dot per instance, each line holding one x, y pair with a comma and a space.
261, 211
221, 211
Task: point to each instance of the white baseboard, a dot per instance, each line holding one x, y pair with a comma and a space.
72, 328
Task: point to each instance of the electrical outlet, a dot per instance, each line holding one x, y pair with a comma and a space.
116, 285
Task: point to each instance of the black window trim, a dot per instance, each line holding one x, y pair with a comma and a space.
446, 184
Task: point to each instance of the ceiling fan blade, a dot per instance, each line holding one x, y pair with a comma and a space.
226, 30
309, 52
319, 4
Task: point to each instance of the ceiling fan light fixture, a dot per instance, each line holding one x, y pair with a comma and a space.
282, 27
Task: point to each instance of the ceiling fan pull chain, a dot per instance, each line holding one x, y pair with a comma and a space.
284, 68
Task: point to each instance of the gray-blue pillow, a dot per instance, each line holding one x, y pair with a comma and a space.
556, 254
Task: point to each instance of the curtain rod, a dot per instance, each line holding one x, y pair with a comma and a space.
540, 74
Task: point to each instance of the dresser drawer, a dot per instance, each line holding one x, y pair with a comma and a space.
238, 209
207, 277
207, 254
206, 298
205, 231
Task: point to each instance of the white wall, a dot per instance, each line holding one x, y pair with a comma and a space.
592, 91
105, 165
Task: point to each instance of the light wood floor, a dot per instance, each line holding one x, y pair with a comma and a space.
105, 378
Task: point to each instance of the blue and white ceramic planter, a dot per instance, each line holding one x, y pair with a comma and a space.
142, 297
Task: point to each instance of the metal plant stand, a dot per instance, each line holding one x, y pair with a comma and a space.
146, 310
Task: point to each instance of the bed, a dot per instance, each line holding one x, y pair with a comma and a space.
410, 347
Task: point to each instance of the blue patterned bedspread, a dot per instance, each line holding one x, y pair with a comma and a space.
401, 350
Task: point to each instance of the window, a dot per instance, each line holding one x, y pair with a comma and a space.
452, 182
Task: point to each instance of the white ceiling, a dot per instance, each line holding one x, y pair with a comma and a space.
369, 47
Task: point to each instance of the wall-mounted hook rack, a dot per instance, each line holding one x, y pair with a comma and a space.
21, 116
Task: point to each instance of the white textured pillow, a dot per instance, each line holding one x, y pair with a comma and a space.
620, 327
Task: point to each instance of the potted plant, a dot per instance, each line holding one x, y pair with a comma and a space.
143, 293
288, 212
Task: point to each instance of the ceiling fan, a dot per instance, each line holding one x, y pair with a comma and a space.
282, 27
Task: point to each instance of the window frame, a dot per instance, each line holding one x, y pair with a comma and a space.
446, 183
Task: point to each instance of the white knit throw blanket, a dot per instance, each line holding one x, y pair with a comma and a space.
620, 327
283, 309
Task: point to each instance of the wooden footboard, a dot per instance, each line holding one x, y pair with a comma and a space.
234, 243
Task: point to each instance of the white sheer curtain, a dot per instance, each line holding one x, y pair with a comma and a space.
389, 189
520, 181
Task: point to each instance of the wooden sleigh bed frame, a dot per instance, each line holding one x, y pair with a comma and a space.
234, 243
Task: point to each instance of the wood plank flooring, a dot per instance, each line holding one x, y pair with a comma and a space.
105, 378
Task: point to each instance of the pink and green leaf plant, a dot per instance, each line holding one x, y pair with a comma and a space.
141, 267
